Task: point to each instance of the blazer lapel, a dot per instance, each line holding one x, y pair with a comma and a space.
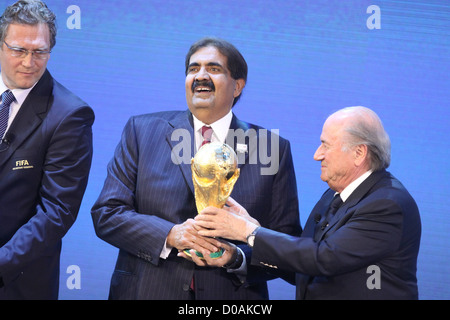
357, 195
315, 231
184, 123
30, 116
234, 140
364, 188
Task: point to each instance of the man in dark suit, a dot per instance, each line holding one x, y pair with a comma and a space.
367, 247
147, 204
45, 155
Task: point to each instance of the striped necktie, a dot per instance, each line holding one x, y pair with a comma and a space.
206, 134
7, 99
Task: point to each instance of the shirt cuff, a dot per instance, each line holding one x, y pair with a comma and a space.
165, 250
241, 271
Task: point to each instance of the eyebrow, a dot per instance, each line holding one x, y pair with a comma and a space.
210, 64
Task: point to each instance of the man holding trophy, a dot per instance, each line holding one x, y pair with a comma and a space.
151, 195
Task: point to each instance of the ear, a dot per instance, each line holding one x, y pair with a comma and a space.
361, 153
240, 84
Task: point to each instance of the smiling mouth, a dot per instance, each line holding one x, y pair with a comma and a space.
203, 86
202, 89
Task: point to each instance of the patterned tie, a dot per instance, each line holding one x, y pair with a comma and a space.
7, 99
206, 134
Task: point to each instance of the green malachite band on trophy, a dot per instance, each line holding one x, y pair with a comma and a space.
213, 255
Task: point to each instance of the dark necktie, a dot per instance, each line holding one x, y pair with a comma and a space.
323, 223
7, 99
206, 134
334, 206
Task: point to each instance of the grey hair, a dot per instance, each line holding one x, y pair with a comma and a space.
366, 128
28, 12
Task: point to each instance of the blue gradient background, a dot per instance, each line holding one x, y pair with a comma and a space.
306, 59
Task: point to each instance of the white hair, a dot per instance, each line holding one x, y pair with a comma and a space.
366, 128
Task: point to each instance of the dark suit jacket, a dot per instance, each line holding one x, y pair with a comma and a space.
146, 192
44, 166
378, 225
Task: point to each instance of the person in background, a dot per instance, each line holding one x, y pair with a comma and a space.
147, 205
45, 154
361, 240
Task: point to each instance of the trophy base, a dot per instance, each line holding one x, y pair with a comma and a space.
213, 255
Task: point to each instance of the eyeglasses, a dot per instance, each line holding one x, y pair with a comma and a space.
22, 52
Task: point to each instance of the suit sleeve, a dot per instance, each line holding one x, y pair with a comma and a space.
64, 179
283, 215
115, 217
373, 232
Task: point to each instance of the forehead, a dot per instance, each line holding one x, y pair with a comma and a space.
208, 54
332, 130
24, 34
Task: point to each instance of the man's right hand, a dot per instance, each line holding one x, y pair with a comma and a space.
185, 236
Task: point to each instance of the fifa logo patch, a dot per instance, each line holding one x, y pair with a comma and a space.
22, 164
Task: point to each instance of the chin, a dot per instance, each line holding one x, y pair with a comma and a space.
26, 84
198, 108
202, 102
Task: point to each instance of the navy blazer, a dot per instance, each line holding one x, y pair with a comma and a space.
147, 191
376, 232
45, 160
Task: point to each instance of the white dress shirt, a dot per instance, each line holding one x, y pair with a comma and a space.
352, 186
220, 129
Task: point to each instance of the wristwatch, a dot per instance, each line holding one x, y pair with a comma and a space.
251, 238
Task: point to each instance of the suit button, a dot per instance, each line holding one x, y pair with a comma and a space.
186, 287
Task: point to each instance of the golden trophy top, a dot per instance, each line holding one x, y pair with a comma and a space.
214, 173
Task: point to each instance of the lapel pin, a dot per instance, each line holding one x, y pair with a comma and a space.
241, 148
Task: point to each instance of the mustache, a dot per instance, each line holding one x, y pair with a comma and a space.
203, 83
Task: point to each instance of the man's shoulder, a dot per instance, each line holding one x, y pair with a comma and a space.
160, 115
161, 118
260, 131
65, 101
157, 121
389, 187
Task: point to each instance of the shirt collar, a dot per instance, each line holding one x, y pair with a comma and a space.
220, 127
19, 94
355, 184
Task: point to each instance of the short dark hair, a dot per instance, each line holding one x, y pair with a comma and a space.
236, 62
29, 12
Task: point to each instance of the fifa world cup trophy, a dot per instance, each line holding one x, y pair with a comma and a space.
214, 173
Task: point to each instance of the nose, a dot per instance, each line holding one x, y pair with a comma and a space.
202, 75
318, 155
28, 61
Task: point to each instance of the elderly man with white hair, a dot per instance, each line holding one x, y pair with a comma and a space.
362, 238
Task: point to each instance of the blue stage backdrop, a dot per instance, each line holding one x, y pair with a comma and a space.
306, 59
